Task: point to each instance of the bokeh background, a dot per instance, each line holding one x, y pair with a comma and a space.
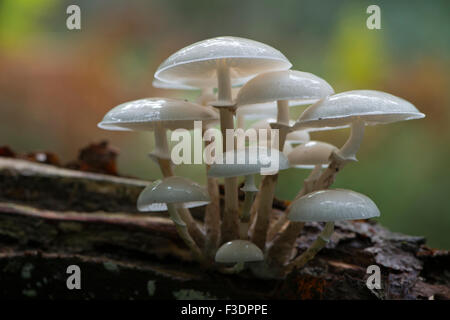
56, 84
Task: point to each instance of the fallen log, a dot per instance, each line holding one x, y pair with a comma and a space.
51, 218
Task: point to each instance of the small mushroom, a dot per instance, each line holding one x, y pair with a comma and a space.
311, 155
239, 252
329, 206
169, 194
283, 86
224, 61
357, 109
157, 115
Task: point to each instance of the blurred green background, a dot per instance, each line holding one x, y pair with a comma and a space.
56, 84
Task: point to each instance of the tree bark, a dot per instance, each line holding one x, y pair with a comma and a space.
51, 218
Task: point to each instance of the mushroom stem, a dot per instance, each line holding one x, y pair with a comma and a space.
212, 210
183, 232
263, 207
161, 145
264, 210
212, 215
165, 164
307, 187
240, 121
283, 112
309, 182
351, 146
224, 84
230, 223
237, 268
280, 250
249, 196
316, 246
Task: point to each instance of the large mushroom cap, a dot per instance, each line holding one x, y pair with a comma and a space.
302, 87
177, 190
145, 114
333, 205
239, 251
310, 154
374, 107
197, 63
248, 161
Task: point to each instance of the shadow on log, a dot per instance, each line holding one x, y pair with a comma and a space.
51, 218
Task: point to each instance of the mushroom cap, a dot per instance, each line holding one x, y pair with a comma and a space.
296, 136
258, 111
196, 64
145, 114
244, 165
310, 154
177, 190
333, 205
374, 107
303, 87
169, 85
239, 251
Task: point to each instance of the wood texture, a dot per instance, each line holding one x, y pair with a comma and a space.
51, 218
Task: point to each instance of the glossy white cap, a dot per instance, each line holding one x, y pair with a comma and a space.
310, 154
303, 87
239, 251
333, 205
258, 111
177, 190
248, 161
145, 114
373, 107
169, 85
196, 64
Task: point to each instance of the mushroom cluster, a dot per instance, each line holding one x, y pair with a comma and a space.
242, 81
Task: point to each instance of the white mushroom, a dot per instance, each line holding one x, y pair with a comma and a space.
170, 193
310, 155
239, 252
356, 108
282, 87
172, 86
225, 60
160, 115
329, 206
